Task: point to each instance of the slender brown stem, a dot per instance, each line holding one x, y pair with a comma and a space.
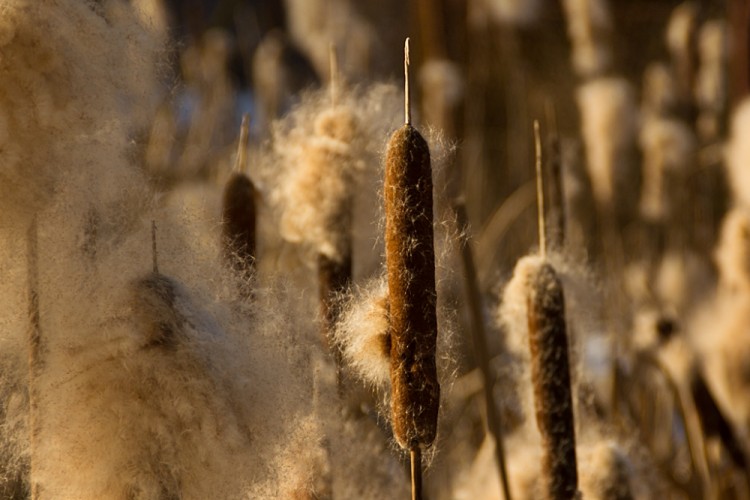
407, 107
415, 455
540, 191
35, 341
241, 161
481, 350
333, 279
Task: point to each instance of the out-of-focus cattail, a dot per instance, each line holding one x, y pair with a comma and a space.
680, 39
711, 81
239, 214
550, 375
589, 29
410, 261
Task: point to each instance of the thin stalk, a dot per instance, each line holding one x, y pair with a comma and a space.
481, 350
540, 192
154, 253
415, 456
407, 97
34, 354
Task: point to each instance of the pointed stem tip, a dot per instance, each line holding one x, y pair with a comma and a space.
243, 142
407, 110
540, 191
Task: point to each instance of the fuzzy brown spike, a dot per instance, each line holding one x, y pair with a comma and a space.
410, 261
238, 230
550, 375
239, 213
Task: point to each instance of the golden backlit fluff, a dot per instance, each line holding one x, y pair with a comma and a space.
515, 12
148, 384
60, 96
608, 123
589, 25
319, 152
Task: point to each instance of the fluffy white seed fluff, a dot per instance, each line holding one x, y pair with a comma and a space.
608, 122
732, 254
680, 30
53, 110
515, 12
668, 147
362, 333
710, 80
589, 26
659, 89
148, 386
605, 471
319, 152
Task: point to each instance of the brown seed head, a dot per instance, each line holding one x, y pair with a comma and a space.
410, 261
239, 219
550, 375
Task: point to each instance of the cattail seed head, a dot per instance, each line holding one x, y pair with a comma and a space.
239, 227
410, 261
550, 375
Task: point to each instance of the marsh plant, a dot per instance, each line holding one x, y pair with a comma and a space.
243, 256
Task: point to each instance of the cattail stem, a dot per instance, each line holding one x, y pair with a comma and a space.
407, 97
34, 354
481, 350
154, 252
333, 279
540, 192
550, 375
555, 195
415, 456
410, 262
241, 162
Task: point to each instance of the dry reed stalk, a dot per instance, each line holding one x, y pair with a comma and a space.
481, 350
239, 215
555, 195
410, 262
34, 354
550, 375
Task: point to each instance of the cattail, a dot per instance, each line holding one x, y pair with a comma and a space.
410, 261
239, 214
550, 375
680, 40
589, 29
710, 81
